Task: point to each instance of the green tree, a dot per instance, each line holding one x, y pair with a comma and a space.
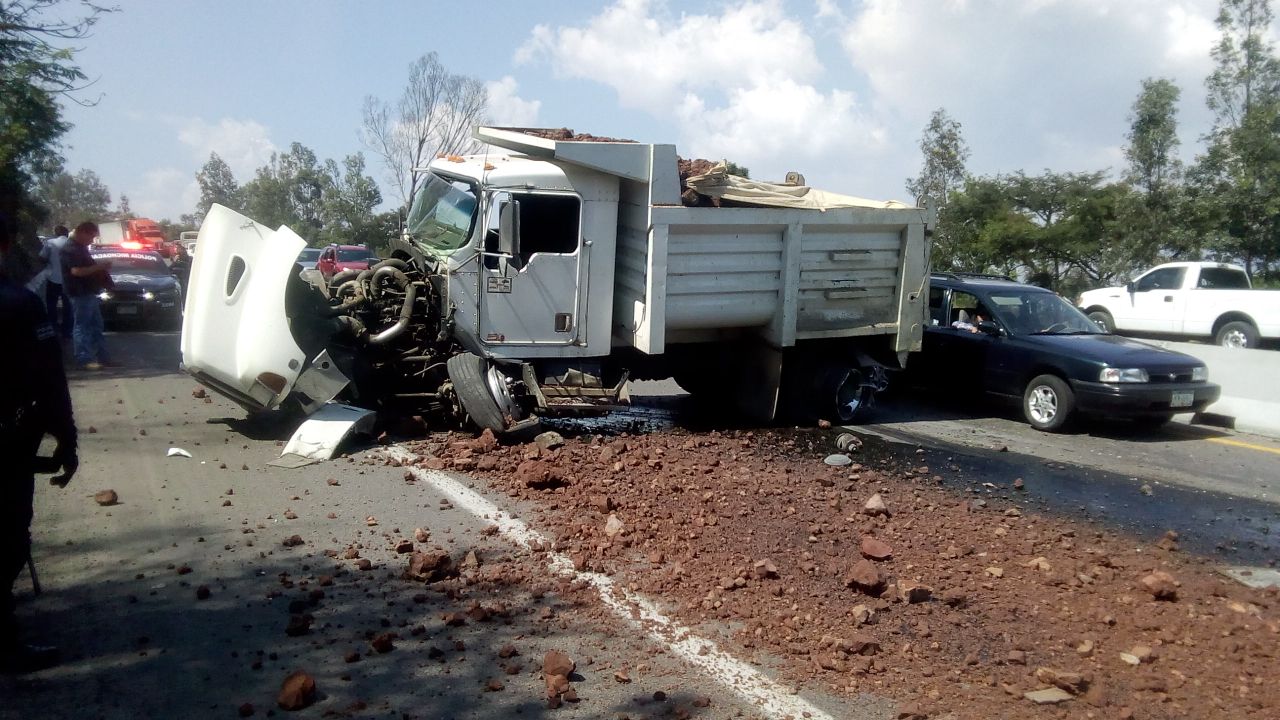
1152, 220
217, 185
348, 206
289, 190
1236, 183
71, 199
34, 74
435, 115
945, 154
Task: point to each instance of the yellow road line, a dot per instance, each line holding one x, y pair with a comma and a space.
1240, 443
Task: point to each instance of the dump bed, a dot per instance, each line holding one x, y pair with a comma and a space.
689, 274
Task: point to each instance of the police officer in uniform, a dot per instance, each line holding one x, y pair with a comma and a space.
34, 402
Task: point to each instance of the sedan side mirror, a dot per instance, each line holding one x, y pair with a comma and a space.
1129, 287
989, 328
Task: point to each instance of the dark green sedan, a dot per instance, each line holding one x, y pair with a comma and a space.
1004, 338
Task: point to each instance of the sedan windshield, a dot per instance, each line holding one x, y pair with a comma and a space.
1039, 313
442, 214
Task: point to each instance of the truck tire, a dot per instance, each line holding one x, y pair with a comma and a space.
1048, 403
1103, 319
1237, 334
469, 374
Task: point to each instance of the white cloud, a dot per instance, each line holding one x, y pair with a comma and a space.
165, 193
771, 127
509, 109
740, 83
652, 58
1036, 84
245, 145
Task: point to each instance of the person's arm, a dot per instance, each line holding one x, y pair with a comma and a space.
89, 270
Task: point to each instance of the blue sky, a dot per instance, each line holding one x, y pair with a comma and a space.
837, 90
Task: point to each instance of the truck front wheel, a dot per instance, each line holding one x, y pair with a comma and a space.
1237, 334
482, 392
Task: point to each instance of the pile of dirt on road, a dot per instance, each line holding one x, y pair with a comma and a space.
874, 577
567, 135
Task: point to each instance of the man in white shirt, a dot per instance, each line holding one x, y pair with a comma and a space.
53, 291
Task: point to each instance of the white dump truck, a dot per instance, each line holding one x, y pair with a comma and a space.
537, 278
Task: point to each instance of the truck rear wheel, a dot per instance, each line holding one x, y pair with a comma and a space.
1103, 320
474, 381
1237, 334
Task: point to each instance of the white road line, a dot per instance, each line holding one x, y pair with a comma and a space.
768, 696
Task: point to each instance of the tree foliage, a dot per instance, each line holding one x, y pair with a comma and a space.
945, 154
72, 199
34, 73
217, 185
435, 115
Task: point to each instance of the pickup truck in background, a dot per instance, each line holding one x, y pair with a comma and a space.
1189, 299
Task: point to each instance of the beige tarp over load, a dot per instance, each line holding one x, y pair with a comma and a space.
721, 185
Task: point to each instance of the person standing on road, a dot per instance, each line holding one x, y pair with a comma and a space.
51, 253
84, 279
35, 402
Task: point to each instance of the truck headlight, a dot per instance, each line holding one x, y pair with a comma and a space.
148, 295
1200, 374
1123, 375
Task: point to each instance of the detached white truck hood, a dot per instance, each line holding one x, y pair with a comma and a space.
235, 333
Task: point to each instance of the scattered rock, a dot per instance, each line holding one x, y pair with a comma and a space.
299, 624
203, 592
421, 535
297, 692
764, 569
292, 541
1072, 682
913, 593
556, 662
1018, 484
493, 686
1161, 585
430, 566
245, 710
383, 642
404, 547
106, 497
1048, 696
874, 549
613, 526
865, 577
875, 506
549, 440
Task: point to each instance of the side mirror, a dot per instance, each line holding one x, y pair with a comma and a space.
988, 327
1129, 287
509, 228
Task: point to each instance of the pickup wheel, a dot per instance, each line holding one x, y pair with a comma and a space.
1103, 319
1048, 403
471, 381
1237, 334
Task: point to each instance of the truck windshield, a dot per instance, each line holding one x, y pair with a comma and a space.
442, 213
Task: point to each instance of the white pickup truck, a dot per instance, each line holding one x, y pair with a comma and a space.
1189, 299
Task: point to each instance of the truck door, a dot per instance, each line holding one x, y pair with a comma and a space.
530, 270
1158, 300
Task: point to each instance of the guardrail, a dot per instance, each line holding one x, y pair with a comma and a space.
1250, 381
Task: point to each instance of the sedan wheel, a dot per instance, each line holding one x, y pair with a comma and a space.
1048, 403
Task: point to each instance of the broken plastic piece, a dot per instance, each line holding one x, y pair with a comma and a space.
178, 452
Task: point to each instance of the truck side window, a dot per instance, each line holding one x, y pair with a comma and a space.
1162, 279
1212, 278
548, 224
